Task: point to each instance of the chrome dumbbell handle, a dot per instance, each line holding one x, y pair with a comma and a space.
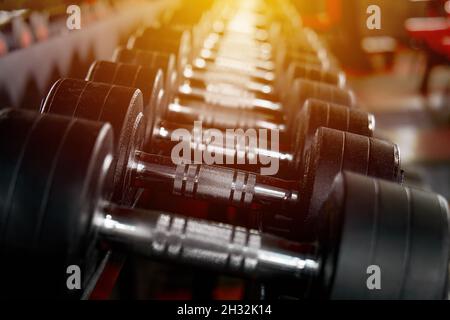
243, 150
245, 82
220, 247
219, 184
230, 96
183, 110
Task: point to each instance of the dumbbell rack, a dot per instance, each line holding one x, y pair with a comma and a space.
317, 211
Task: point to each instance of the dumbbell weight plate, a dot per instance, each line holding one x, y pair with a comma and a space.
314, 115
317, 113
403, 231
153, 40
303, 90
331, 152
148, 80
311, 72
151, 59
51, 167
337, 150
122, 107
334, 151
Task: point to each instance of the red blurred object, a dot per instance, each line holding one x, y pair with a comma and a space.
108, 278
434, 33
326, 19
3, 45
229, 293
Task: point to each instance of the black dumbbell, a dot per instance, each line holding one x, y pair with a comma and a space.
161, 119
137, 169
252, 95
223, 117
263, 82
179, 45
54, 179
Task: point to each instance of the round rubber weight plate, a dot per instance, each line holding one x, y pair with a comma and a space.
102, 71
76, 98
317, 113
152, 41
156, 107
312, 72
81, 178
122, 107
334, 151
404, 232
48, 203
166, 39
321, 91
64, 104
146, 79
151, 59
135, 56
18, 125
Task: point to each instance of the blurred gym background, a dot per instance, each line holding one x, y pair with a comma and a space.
401, 72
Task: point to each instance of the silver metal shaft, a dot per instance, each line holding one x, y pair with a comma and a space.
220, 247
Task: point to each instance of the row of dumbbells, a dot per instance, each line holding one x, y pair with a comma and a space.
151, 143
81, 162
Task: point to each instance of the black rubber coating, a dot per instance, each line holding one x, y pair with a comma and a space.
334, 151
303, 90
147, 79
311, 72
167, 40
403, 231
57, 169
122, 107
312, 89
152, 59
317, 113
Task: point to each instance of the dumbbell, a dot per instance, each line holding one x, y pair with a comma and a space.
246, 94
122, 107
177, 41
312, 44
54, 176
212, 74
161, 120
224, 118
179, 45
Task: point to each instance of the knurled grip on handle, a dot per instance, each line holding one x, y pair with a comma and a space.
217, 246
216, 184
221, 184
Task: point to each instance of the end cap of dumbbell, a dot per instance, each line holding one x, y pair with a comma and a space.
377, 228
